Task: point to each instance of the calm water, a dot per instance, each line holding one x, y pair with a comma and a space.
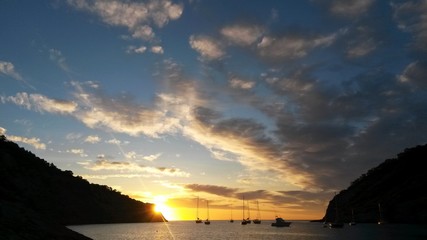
299, 230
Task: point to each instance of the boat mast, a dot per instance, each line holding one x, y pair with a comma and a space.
207, 205
243, 208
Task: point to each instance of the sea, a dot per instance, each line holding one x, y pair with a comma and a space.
299, 230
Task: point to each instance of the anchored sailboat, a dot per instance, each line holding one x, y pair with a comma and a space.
231, 215
198, 220
243, 212
248, 219
257, 220
207, 222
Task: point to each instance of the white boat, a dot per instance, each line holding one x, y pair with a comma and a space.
280, 222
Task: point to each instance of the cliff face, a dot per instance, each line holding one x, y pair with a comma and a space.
36, 195
394, 190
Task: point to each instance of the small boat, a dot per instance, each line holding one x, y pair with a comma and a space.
198, 220
248, 219
243, 213
280, 222
231, 216
257, 220
207, 222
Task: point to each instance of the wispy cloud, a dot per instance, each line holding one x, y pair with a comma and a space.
410, 17
349, 9
292, 46
121, 115
243, 35
138, 17
56, 56
207, 47
134, 168
8, 69
34, 142
92, 139
77, 151
41, 103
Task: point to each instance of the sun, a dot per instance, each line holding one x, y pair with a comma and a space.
163, 208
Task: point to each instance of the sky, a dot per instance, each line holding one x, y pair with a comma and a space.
283, 103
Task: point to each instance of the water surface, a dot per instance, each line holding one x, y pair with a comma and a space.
299, 230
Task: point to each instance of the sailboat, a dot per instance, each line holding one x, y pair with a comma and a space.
231, 215
243, 212
198, 220
248, 219
257, 220
207, 222
336, 223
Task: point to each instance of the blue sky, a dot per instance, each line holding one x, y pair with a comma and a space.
285, 102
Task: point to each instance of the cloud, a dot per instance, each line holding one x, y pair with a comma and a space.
56, 56
157, 49
414, 75
152, 157
8, 69
133, 155
292, 46
213, 189
138, 50
137, 17
350, 9
77, 151
35, 142
207, 47
133, 168
41, 103
362, 42
121, 115
410, 17
242, 35
92, 139
241, 84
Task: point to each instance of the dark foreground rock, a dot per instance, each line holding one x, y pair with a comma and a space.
392, 192
37, 200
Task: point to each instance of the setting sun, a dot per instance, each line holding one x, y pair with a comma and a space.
163, 208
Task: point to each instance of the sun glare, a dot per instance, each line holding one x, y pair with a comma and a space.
163, 208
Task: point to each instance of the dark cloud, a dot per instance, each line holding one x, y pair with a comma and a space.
213, 189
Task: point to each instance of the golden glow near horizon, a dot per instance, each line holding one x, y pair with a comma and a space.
173, 212
163, 208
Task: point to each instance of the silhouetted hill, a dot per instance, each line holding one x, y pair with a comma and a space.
398, 185
37, 200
